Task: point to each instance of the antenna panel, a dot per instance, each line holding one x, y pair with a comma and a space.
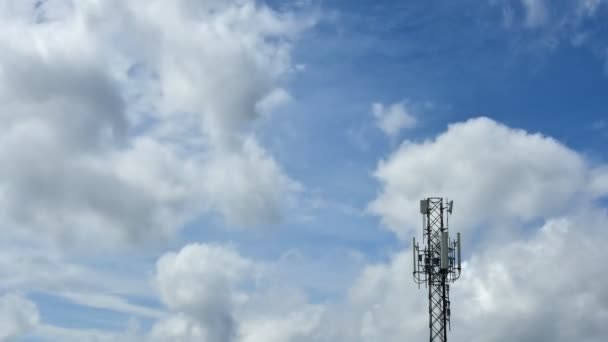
458, 248
414, 252
445, 250
424, 206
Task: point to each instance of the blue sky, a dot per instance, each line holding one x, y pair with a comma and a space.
292, 223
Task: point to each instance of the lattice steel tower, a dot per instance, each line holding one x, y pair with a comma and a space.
438, 263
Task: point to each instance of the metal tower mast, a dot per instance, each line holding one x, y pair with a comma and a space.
437, 263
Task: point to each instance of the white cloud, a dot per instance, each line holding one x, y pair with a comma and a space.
393, 118
205, 288
248, 186
535, 289
494, 173
273, 101
387, 303
18, 316
101, 147
47, 332
598, 183
111, 302
539, 27
296, 326
232, 65
198, 283
183, 328
536, 12
91, 156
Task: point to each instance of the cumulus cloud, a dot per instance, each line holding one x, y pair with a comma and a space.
295, 326
535, 289
231, 66
182, 328
494, 172
125, 120
199, 284
598, 184
18, 316
387, 303
205, 288
394, 118
248, 186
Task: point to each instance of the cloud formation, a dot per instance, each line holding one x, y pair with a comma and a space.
535, 289
496, 173
18, 316
125, 120
394, 118
204, 287
199, 283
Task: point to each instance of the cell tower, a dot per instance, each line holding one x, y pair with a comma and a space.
438, 263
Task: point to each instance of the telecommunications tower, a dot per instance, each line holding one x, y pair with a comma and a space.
437, 263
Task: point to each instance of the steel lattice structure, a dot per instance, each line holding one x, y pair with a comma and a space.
437, 264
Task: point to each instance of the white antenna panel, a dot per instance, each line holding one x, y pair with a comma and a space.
444, 250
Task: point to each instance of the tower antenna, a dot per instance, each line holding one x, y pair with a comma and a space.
437, 264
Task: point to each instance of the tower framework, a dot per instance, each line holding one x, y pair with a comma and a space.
438, 263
